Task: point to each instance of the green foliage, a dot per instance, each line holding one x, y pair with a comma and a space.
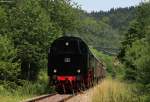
131, 55
3, 21
9, 66
135, 43
142, 64
118, 18
62, 14
135, 52
9, 71
132, 35
30, 27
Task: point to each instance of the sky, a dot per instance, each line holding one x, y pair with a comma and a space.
105, 5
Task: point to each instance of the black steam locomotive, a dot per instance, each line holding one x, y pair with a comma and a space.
72, 66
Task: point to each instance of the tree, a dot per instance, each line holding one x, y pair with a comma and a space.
62, 14
31, 32
9, 66
136, 33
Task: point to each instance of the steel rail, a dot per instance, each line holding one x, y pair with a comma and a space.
39, 97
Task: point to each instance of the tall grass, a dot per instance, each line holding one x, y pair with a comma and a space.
12, 95
26, 90
114, 91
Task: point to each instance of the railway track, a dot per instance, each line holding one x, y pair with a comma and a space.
51, 98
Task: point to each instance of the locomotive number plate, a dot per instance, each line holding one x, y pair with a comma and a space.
67, 60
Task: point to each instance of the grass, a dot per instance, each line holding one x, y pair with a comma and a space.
11, 95
12, 98
28, 90
114, 91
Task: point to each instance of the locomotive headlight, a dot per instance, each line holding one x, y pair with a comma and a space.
55, 70
78, 71
67, 43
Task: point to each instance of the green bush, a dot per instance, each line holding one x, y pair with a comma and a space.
9, 71
9, 66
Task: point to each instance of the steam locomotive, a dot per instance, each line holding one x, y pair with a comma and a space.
72, 66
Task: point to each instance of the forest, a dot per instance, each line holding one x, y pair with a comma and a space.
28, 27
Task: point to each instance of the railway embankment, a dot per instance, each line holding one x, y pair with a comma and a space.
109, 90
